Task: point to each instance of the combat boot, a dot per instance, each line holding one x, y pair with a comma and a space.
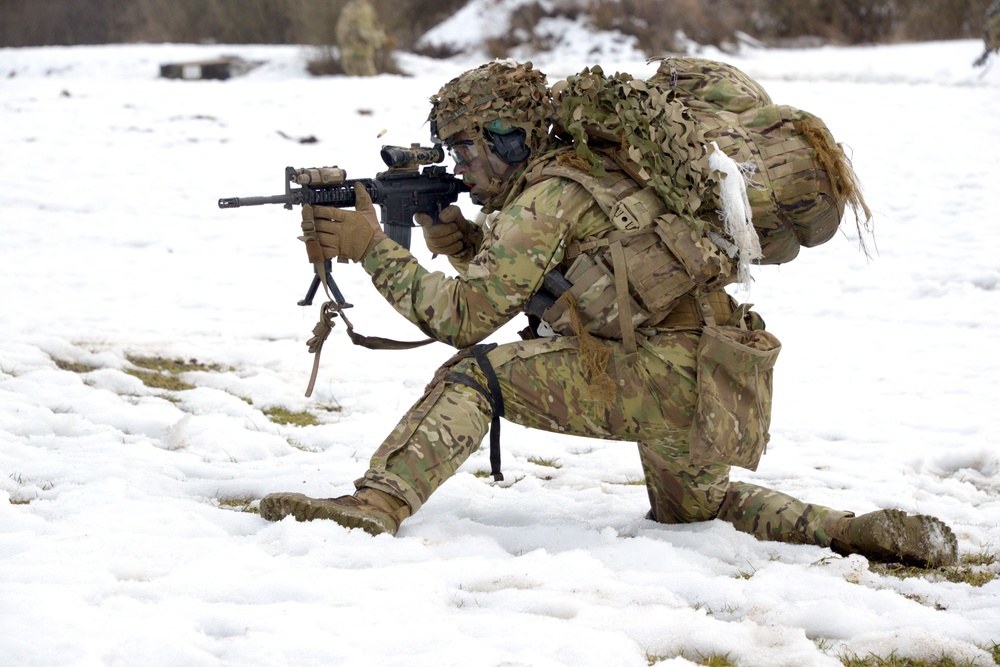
892, 536
371, 510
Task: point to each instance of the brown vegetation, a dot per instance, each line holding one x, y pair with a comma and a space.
69, 22
655, 23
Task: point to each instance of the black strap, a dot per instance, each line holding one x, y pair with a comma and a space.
494, 397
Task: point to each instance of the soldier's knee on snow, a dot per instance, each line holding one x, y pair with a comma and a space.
689, 509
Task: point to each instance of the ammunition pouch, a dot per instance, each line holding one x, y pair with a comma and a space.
636, 278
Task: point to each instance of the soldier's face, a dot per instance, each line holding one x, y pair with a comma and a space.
475, 168
468, 161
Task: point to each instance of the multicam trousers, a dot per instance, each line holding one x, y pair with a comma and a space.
545, 384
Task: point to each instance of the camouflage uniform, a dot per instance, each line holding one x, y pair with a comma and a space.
991, 32
643, 385
359, 36
545, 383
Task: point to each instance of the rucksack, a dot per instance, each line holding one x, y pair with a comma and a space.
664, 131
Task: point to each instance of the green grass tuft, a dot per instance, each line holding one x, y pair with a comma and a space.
72, 366
163, 373
548, 463
155, 380
973, 569
281, 415
239, 504
854, 660
713, 660
172, 366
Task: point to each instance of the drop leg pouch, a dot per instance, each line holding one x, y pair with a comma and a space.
733, 411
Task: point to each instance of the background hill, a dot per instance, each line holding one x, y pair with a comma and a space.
654, 23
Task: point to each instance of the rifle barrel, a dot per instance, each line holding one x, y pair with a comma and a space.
236, 202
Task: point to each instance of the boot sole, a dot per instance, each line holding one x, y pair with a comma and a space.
919, 540
277, 506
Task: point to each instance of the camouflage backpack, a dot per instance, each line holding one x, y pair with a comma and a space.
699, 127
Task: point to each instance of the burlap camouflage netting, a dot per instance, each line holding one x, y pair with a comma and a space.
662, 132
658, 134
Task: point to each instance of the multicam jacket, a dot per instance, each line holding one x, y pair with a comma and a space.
540, 229
525, 241
599, 233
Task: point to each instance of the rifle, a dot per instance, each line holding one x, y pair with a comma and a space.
401, 191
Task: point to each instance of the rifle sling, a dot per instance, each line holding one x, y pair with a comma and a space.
332, 308
321, 331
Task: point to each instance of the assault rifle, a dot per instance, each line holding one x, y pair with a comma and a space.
401, 191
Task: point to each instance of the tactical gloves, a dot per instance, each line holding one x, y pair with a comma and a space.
340, 233
451, 234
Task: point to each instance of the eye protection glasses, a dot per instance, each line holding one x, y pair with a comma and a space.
463, 151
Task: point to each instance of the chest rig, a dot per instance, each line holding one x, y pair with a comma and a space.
635, 275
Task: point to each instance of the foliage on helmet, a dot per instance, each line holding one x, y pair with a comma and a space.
497, 97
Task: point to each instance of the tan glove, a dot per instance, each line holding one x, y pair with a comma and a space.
341, 233
451, 234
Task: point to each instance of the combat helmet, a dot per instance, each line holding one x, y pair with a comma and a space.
504, 106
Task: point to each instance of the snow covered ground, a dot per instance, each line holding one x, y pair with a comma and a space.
121, 536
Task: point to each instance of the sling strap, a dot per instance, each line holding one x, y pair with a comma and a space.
493, 396
335, 308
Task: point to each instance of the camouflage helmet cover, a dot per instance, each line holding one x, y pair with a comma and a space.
497, 97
